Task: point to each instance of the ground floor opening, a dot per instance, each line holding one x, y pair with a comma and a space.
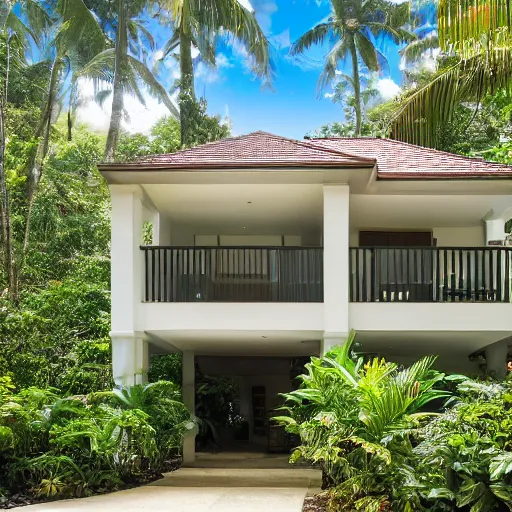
236, 399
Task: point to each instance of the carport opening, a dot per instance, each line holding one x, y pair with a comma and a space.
236, 399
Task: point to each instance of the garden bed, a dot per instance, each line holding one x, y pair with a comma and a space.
315, 503
22, 500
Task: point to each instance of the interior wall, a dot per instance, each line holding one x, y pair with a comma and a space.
460, 237
271, 372
446, 237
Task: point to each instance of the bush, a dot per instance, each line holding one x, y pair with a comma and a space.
53, 446
379, 451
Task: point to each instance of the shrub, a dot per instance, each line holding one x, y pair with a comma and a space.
354, 419
53, 446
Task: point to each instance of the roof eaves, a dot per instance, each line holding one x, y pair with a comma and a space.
232, 165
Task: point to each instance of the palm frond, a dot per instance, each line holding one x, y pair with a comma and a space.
153, 86
415, 49
463, 20
317, 35
100, 67
483, 68
336, 54
367, 51
38, 18
80, 31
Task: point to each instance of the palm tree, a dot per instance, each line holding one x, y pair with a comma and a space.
476, 42
72, 35
21, 23
197, 23
123, 70
74, 39
354, 24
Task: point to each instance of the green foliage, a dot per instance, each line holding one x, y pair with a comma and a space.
165, 367
70, 447
165, 134
365, 425
463, 456
354, 419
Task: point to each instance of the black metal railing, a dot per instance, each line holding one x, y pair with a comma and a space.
233, 274
438, 274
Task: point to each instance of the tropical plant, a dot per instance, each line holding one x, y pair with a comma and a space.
53, 447
354, 419
123, 67
198, 24
463, 457
476, 39
15, 36
353, 26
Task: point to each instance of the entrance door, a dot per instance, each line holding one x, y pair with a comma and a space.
403, 270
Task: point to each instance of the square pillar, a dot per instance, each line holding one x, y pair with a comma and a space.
189, 399
496, 356
336, 264
130, 359
494, 230
126, 257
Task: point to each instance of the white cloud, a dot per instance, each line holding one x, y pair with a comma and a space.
264, 10
140, 118
247, 4
388, 89
281, 41
209, 74
329, 95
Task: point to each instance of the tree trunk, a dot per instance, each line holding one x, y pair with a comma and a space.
119, 83
187, 92
36, 164
5, 213
357, 86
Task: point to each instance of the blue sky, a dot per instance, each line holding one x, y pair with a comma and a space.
291, 108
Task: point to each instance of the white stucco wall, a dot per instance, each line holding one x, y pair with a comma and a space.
393, 316
336, 260
460, 237
231, 316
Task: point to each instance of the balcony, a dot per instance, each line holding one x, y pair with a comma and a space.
233, 274
444, 274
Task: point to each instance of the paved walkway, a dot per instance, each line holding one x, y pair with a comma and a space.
243, 483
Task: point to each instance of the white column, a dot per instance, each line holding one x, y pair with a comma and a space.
189, 399
336, 265
126, 256
129, 352
494, 230
164, 226
496, 356
130, 359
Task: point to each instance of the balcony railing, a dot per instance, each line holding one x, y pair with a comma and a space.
438, 274
233, 274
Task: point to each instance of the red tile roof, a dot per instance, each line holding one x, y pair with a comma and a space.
255, 150
399, 160
394, 160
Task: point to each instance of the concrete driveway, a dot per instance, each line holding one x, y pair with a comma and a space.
234, 487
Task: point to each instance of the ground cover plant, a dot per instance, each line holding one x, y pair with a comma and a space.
366, 425
54, 446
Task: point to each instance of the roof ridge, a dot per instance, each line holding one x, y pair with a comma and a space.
186, 150
268, 134
415, 146
442, 152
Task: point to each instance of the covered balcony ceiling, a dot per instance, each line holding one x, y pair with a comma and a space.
241, 209
298, 209
424, 211
242, 343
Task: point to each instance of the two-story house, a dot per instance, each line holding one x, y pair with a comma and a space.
272, 248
